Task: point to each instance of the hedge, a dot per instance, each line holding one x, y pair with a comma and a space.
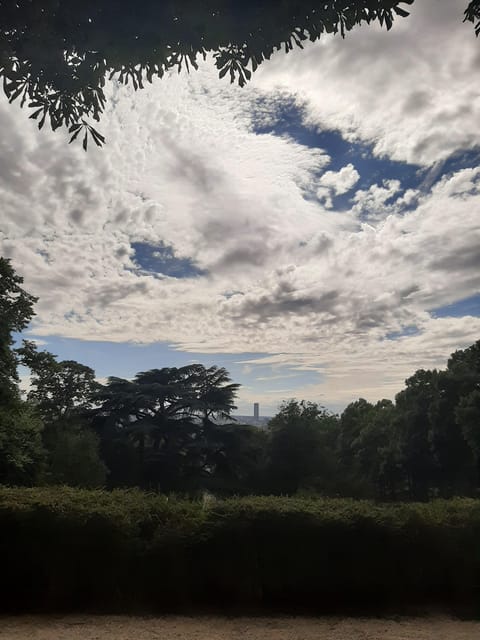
69, 549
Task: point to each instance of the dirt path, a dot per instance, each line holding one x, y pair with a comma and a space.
217, 628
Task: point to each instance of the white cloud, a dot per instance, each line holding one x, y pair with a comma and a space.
372, 202
410, 92
336, 183
463, 183
340, 181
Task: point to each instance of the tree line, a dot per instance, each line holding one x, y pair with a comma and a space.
171, 429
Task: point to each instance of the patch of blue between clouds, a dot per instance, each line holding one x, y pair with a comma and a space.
466, 307
287, 118
125, 360
411, 330
160, 260
455, 162
230, 294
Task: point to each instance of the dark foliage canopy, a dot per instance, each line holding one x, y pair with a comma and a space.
55, 55
169, 415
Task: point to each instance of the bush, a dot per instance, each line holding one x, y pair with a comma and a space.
64, 548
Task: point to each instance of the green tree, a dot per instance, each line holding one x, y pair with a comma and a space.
467, 415
58, 388
63, 394
22, 455
369, 451
21, 451
380, 452
16, 311
415, 433
353, 419
435, 453
212, 393
454, 457
301, 447
464, 367
167, 415
234, 458
56, 56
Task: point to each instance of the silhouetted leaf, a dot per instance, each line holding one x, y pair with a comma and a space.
75, 135
16, 93
97, 137
35, 115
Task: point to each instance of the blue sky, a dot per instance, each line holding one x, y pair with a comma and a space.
315, 232
160, 260
466, 307
289, 121
126, 360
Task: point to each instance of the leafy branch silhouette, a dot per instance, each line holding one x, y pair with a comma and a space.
55, 55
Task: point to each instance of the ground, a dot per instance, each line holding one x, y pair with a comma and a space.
238, 628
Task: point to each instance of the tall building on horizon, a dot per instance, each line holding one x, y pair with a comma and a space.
256, 410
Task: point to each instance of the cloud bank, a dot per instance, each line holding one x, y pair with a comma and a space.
280, 269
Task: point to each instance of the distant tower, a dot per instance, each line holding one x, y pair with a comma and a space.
256, 410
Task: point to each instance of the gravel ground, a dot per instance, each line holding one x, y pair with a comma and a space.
218, 628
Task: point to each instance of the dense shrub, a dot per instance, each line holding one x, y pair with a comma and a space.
75, 549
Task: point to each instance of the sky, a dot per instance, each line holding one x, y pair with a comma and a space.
316, 232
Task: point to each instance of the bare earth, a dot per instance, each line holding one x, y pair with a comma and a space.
218, 628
